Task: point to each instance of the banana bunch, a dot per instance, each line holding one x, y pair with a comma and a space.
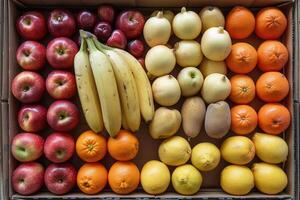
113, 88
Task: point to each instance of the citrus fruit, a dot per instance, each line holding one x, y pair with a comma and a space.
242, 89
243, 119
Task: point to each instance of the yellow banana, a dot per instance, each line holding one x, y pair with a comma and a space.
126, 87
107, 89
87, 89
143, 85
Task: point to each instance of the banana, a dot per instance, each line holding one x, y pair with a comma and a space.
87, 89
107, 89
124, 123
143, 85
126, 87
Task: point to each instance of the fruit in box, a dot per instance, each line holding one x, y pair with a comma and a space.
208, 67
86, 19
211, 16
190, 80
205, 156
136, 48
61, 23
117, 39
106, 13
32, 118
188, 53
103, 31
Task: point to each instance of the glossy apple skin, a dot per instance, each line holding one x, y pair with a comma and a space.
136, 48
61, 23
131, 23
28, 87
117, 39
61, 84
32, 118
31, 55
102, 31
28, 178
27, 147
86, 19
59, 147
62, 115
32, 26
142, 62
61, 52
60, 178
106, 13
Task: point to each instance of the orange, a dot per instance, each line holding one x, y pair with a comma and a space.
270, 23
124, 146
272, 55
272, 87
90, 146
242, 58
123, 177
240, 22
242, 89
91, 178
243, 119
274, 118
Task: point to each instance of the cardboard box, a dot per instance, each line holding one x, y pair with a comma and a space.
210, 188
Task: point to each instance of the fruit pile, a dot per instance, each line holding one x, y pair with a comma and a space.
117, 88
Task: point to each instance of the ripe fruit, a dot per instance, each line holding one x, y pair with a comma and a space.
205, 156
86, 19
90, 146
32, 118
243, 119
123, 177
272, 87
103, 31
270, 23
117, 39
61, 52
211, 16
155, 177
106, 13
32, 25
237, 180
31, 55
208, 67
190, 80
28, 87
242, 89
27, 147
238, 150
235, 22
124, 146
274, 118
61, 23
188, 53
272, 56
242, 58
28, 178
136, 48
91, 178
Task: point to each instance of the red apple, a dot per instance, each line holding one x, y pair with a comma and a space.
62, 115
59, 147
60, 178
61, 23
86, 19
32, 118
31, 55
131, 23
27, 147
28, 178
61, 84
102, 31
117, 39
61, 52
32, 25
136, 48
106, 13
28, 87
142, 62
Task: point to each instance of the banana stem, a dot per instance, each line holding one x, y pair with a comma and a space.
101, 46
83, 44
91, 44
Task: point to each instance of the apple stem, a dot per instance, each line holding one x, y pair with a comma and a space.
160, 14
221, 29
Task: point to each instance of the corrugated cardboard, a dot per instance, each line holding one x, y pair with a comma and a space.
210, 188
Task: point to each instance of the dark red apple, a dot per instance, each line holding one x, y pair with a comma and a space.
61, 52
136, 48
106, 13
31, 55
131, 23
62, 115
32, 25
142, 62
32, 118
60, 178
28, 87
117, 39
27, 147
28, 178
61, 23
86, 19
102, 31
61, 84
59, 147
